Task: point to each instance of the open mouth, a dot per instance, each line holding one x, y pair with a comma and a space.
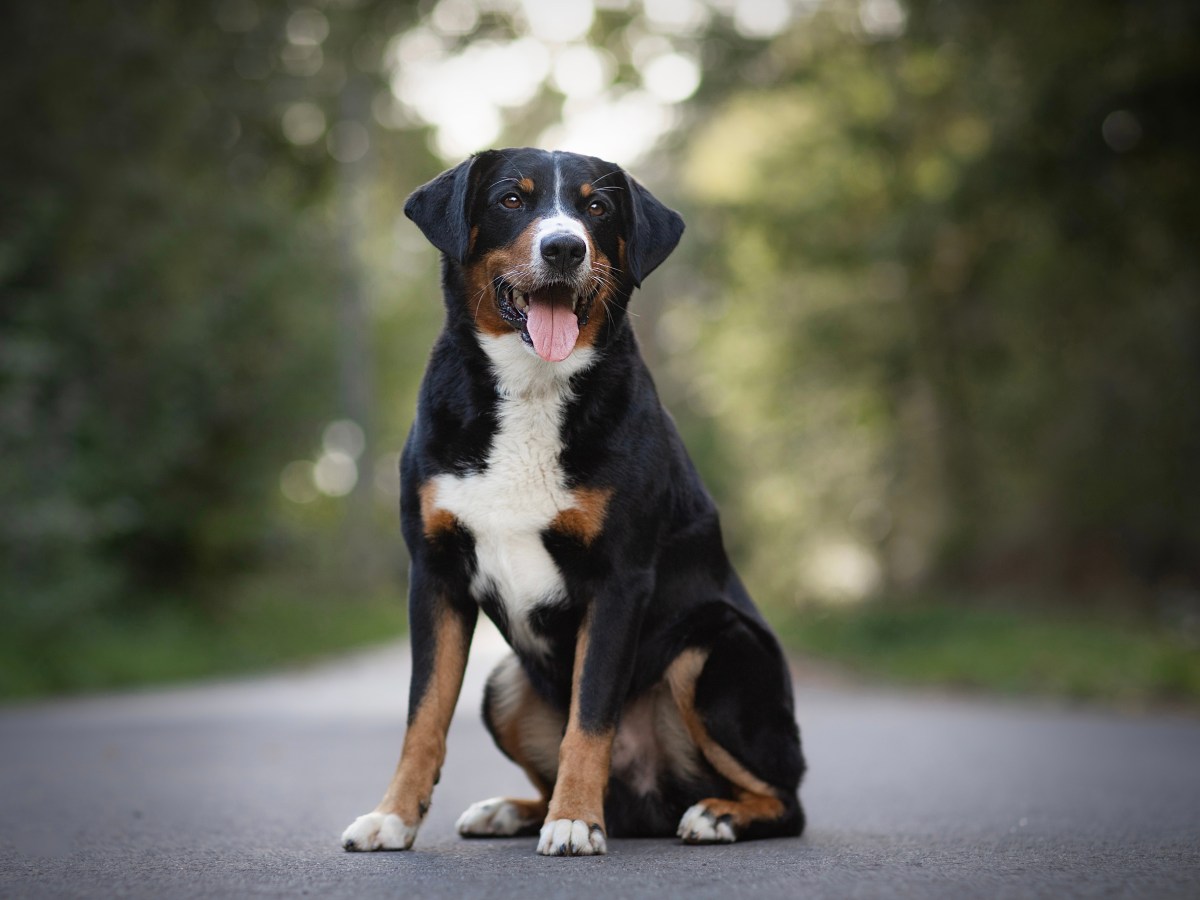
548, 317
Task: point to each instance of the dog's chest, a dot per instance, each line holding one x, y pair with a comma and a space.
522, 489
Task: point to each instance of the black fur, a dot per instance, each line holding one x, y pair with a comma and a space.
656, 578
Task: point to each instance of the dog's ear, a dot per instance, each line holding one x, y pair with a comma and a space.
654, 231
441, 208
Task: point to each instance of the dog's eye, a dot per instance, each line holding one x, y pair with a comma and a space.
512, 201
596, 208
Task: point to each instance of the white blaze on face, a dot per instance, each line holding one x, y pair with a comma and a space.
553, 322
559, 222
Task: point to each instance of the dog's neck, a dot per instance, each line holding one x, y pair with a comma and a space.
521, 374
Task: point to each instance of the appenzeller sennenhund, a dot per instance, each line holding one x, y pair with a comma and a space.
544, 483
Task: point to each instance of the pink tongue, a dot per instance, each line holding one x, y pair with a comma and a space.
553, 326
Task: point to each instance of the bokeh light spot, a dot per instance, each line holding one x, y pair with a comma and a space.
558, 21
344, 436
335, 474
676, 16
882, 18
307, 27
672, 77
581, 71
454, 17
1121, 130
761, 18
303, 123
296, 482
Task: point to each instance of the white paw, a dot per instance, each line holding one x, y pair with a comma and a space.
571, 837
498, 816
379, 831
699, 826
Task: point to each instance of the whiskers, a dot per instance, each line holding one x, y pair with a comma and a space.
605, 278
611, 187
514, 276
478, 298
599, 281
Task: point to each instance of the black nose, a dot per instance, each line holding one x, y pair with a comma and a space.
563, 251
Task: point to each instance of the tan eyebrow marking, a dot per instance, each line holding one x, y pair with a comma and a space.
526, 184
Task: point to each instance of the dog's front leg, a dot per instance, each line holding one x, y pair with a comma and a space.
441, 635
604, 652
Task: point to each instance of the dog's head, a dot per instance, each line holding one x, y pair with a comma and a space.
550, 244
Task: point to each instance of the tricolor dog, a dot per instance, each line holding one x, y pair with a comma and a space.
544, 483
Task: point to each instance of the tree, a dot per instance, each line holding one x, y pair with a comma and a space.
958, 249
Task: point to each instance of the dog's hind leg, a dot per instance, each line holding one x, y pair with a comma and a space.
528, 731
736, 703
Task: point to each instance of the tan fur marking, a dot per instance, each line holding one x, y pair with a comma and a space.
584, 758
585, 520
510, 736
530, 809
424, 751
474, 237
584, 761
434, 519
526, 184
681, 676
513, 259
481, 275
747, 808
602, 269
587, 190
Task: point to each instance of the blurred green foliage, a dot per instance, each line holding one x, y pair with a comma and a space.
1117, 659
170, 272
935, 322
950, 299
275, 621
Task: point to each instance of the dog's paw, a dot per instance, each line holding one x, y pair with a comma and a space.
700, 826
379, 831
571, 837
497, 817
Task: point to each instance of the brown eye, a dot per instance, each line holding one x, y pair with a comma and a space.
596, 208
511, 201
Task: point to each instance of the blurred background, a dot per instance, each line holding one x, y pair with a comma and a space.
932, 335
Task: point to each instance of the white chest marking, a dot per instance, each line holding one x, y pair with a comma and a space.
508, 505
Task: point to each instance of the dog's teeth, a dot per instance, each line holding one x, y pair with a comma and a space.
521, 300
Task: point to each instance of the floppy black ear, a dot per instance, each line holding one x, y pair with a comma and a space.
655, 230
440, 208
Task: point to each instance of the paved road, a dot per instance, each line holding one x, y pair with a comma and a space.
241, 789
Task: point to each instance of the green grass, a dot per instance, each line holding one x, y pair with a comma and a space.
264, 628
1013, 651
1005, 651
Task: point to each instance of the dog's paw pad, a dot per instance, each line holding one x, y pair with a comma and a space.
571, 837
497, 817
379, 831
700, 826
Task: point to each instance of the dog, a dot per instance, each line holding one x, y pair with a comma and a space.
544, 484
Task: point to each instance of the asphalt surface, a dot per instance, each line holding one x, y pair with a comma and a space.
241, 789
